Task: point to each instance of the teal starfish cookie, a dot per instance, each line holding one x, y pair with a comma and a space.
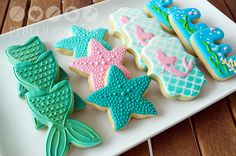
53, 109
123, 98
78, 43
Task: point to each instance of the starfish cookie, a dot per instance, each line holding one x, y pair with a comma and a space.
78, 43
123, 98
98, 62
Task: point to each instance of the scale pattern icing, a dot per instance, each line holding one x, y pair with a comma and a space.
176, 70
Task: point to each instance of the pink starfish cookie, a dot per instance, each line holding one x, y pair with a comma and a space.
98, 62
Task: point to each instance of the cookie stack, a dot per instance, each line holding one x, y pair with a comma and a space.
50, 97
113, 90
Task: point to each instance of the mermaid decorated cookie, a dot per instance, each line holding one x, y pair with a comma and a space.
173, 68
137, 35
122, 16
53, 109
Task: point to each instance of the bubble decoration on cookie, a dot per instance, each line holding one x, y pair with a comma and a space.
28, 52
53, 109
184, 22
173, 68
214, 55
77, 44
40, 74
160, 9
123, 16
98, 62
138, 33
123, 98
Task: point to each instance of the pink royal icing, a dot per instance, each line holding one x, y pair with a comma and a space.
142, 36
98, 63
124, 19
168, 62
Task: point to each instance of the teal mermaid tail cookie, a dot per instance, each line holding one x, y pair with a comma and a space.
40, 74
53, 108
28, 52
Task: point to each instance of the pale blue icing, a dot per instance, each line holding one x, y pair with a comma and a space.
149, 25
183, 21
215, 54
177, 87
158, 9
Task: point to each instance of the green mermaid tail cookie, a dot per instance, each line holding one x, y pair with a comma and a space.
53, 109
29, 52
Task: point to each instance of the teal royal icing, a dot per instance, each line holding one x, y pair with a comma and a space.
78, 43
123, 97
53, 109
215, 54
183, 21
28, 52
160, 10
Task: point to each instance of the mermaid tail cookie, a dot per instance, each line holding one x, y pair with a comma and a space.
53, 109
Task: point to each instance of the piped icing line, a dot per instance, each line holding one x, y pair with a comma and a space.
124, 19
138, 33
213, 54
123, 16
53, 109
123, 98
98, 62
173, 68
142, 36
78, 43
182, 23
160, 9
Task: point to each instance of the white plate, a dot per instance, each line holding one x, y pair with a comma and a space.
17, 134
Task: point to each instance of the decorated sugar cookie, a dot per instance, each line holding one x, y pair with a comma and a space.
78, 43
123, 16
138, 33
213, 55
184, 22
41, 74
160, 9
29, 52
53, 109
123, 98
98, 62
173, 68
